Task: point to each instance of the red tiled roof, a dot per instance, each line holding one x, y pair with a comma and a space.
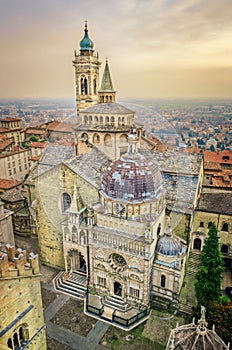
4, 130
7, 184
53, 125
35, 131
38, 144
35, 158
217, 157
4, 144
10, 119
62, 127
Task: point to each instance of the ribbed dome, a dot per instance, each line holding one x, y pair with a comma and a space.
86, 43
132, 178
195, 337
169, 244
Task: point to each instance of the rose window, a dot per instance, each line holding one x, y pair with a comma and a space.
117, 262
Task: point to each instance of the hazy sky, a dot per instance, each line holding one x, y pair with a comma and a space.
156, 48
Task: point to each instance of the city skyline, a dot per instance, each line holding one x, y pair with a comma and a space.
156, 49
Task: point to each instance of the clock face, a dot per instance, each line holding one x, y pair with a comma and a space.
120, 209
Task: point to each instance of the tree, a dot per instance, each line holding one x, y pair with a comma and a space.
219, 315
209, 274
33, 138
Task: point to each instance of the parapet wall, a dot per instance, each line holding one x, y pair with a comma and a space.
14, 262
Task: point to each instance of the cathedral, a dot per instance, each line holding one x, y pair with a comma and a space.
102, 209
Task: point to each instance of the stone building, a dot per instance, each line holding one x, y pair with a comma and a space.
119, 243
217, 171
101, 210
21, 314
11, 128
6, 227
214, 208
15, 164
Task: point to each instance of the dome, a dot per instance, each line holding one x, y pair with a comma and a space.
86, 43
195, 337
132, 178
169, 244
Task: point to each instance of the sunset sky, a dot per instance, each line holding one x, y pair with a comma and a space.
156, 48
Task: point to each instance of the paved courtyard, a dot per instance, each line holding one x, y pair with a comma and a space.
61, 313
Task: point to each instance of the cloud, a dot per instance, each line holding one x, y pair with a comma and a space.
140, 38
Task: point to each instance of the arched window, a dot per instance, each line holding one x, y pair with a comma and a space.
85, 119
66, 201
90, 119
84, 86
163, 281
201, 224
96, 138
224, 248
10, 344
107, 120
15, 339
112, 120
95, 86
119, 120
74, 234
209, 224
123, 138
158, 230
101, 120
123, 120
108, 140
106, 98
225, 227
96, 119
197, 244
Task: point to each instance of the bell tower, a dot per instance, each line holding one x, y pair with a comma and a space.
86, 64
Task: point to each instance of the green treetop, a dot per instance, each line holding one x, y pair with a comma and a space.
209, 275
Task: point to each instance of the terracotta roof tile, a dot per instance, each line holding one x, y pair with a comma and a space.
35, 131
8, 184
38, 144
61, 127
218, 157
10, 119
3, 130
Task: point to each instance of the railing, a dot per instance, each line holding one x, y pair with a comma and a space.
128, 322
121, 321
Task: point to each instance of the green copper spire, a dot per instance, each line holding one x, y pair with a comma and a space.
106, 85
86, 44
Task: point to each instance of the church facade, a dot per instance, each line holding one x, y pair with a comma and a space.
102, 210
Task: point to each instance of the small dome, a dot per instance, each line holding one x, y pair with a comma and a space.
195, 337
132, 178
169, 244
86, 43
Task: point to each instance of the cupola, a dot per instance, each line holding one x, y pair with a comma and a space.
86, 43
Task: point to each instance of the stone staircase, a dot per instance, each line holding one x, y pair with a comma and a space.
73, 284
187, 295
116, 303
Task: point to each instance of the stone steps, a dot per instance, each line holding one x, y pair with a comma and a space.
116, 302
186, 309
74, 285
186, 303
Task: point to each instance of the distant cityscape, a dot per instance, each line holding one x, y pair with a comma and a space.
192, 125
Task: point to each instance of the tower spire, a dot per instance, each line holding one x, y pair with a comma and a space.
107, 92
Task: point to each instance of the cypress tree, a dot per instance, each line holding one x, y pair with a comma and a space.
209, 274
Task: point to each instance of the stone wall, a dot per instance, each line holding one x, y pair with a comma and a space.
20, 299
